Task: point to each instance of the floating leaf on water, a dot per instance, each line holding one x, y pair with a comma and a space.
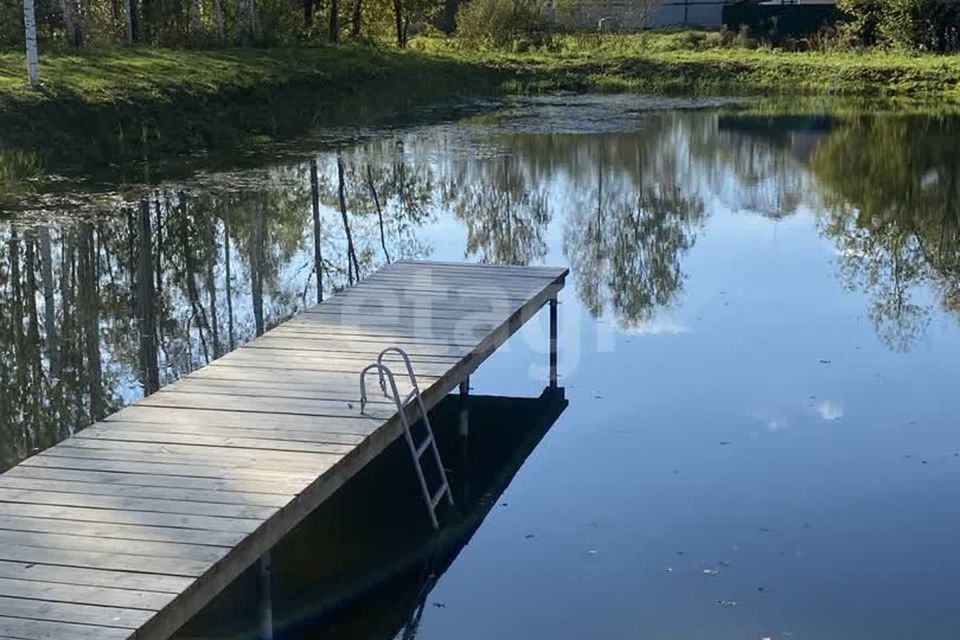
727, 603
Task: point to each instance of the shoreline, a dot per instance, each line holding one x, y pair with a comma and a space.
134, 105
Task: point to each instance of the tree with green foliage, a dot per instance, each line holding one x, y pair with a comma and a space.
917, 25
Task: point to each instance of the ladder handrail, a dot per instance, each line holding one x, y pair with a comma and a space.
386, 374
413, 378
423, 412
382, 370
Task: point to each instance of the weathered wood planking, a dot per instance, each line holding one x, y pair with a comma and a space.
131, 526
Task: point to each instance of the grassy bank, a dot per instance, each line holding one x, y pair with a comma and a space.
677, 63
126, 104
121, 104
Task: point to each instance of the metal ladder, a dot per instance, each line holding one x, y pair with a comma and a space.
417, 451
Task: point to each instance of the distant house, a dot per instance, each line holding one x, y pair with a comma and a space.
633, 15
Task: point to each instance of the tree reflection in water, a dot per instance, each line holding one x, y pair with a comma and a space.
890, 192
109, 297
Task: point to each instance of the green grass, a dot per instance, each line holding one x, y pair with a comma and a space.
122, 104
696, 62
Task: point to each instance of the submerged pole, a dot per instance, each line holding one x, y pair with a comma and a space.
464, 412
553, 343
264, 579
464, 438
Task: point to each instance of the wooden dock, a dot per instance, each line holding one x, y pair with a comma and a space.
131, 526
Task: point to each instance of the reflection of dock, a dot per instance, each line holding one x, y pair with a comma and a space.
130, 527
364, 563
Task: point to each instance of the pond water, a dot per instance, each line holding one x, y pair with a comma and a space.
760, 346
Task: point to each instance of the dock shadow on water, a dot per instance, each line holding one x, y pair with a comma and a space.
364, 564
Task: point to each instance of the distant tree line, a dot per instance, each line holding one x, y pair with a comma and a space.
75, 23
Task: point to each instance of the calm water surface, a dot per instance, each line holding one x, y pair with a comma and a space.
760, 345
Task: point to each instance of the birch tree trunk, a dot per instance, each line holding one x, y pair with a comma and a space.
33, 62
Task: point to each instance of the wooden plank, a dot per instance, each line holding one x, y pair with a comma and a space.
122, 531
142, 413
367, 349
305, 435
466, 319
250, 389
181, 567
362, 356
465, 328
81, 576
301, 360
488, 270
275, 487
312, 380
134, 491
22, 629
152, 505
376, 299
203, 438
71, 542
391, 335
433, 297
238, 475
183, 464
205, 523
444, 281
104, 596
273, 406
407, 289
358, 343
79, 613
190, 454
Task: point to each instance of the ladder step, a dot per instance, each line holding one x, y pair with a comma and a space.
410, 396
438, 496
426, 444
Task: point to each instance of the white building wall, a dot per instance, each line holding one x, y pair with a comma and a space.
627, 15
